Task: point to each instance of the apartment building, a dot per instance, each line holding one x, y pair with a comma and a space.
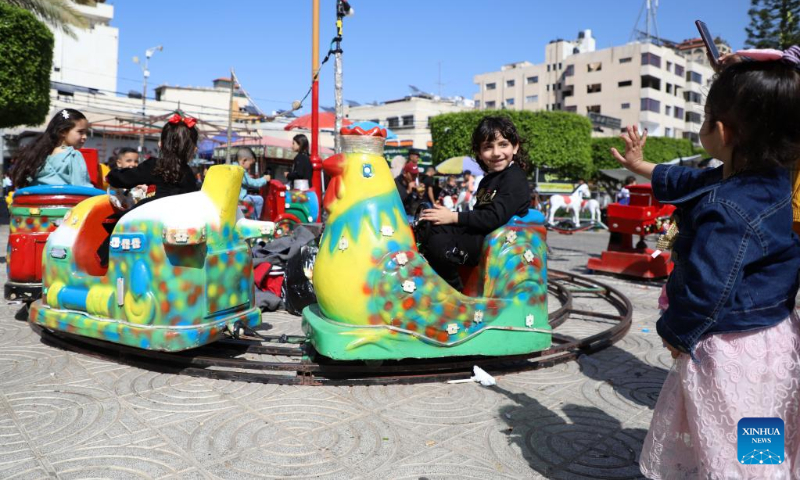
643, 84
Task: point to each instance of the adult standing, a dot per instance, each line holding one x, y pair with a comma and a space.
301, 168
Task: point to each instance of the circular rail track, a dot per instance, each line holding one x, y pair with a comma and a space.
288, 359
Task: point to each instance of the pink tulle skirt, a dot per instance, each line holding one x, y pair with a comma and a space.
749, 374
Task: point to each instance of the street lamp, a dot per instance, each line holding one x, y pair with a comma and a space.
145, 73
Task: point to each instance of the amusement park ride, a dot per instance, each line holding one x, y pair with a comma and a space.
169, 284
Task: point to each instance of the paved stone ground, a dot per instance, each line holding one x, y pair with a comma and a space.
67, 415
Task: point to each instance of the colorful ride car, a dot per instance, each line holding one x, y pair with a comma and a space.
379, 299
170, 275
35, 212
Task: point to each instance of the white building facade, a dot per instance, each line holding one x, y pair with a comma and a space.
641, 84
91, 59
408, 117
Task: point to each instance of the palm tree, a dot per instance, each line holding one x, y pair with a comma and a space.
59, 13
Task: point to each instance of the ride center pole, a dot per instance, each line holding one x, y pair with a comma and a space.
316, 164
230, 119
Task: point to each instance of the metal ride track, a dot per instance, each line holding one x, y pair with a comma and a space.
290, 360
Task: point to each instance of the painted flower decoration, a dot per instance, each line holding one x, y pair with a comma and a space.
401, 258
409, 286
343, 244
511, 237
528, 255
478, 316
126, 243
387, 231
114, 242
529, 320
452, 328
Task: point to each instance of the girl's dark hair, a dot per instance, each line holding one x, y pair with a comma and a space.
301, 140
760, 103
178, 143
487, 130
30, 159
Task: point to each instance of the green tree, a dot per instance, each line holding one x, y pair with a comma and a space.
58, 13
656, 150
26, 56
560, 140
773, 24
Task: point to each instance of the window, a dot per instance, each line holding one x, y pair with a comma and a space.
554, 67
488, 105
669, 88
651, 59
408, 120
668, 132
625, 60
570, 71
532, 99
375, 120
569, 90
594, 88
694, 117
571, 108
393, 122
593, 109
693, 97
559, 65
667, 110
695, 138
533, 79
678, 112
557, 86
477, 105
626, 106
678, 70
669, 66
548, 67
510, 83
625, 83
649, 81
650, 105
491, 86
694, 77
509, 101
548, 87
594, 67
554, 107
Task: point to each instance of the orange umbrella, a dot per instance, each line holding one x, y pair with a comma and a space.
327, 121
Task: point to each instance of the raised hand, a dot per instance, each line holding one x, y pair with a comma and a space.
633, 159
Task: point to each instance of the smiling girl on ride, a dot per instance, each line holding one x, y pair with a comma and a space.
456, 237
731, 324
53, 158
170, 174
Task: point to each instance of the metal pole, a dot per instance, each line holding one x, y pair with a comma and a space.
145, 73
337, 78
2, 154
316, 164
230, 119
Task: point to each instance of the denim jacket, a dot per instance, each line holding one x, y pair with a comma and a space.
736, 258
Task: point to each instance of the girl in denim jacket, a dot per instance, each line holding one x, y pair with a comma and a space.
730, 323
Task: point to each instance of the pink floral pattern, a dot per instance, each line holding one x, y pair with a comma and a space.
747, 374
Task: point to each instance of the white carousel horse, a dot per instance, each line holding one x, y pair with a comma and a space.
594, 208
572, 202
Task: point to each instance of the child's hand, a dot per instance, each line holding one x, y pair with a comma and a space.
439, 215
633, 159
634, 148
672, 350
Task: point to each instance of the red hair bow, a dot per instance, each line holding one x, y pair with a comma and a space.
189, 121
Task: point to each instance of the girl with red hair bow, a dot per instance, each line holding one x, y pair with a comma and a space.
170, 173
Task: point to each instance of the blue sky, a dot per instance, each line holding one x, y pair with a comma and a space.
388, 44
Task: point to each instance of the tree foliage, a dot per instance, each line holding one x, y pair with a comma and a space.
26, 56
59, 13
560, 140
773, 24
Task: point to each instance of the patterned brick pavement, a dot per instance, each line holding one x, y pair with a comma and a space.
66, 415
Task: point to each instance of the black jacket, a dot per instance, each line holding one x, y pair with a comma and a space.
301, 168
501, 195
143, 175
411, 201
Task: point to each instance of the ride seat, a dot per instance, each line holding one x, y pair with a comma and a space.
92, 239
471, 275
